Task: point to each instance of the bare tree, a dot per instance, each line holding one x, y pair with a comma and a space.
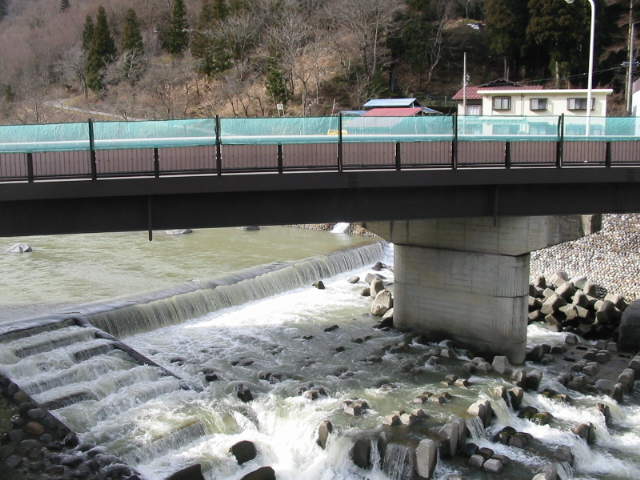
173, 87
368, 21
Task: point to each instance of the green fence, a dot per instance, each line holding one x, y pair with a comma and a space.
303, 130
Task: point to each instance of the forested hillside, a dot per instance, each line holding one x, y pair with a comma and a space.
158, 59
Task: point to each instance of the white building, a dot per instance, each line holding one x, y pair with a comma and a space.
502, 97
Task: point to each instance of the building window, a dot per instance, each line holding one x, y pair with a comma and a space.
579, 103
502, 103
538, 104
474, 110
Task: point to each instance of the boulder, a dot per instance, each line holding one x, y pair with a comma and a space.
360, 453
501, 365
629, 330
244, 451
324, 430
263, 473
376, 287
493, 465
19, 248
354, 279
193, 472
382, 304
426, 458
319, 285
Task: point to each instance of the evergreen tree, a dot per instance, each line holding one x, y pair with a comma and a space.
558, 36
101, 52
220, 10
87, 33
274, 83
132, 62
64, 4
506, 21
207, 46
177, 37
131, 36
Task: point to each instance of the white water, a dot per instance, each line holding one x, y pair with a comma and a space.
161, 428
340, 227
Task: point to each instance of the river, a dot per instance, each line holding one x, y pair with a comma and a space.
277, 347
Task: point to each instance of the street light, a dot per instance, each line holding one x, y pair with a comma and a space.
591, 45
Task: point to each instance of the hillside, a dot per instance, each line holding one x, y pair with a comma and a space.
314, 57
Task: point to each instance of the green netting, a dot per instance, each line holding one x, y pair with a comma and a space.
282, 131
605, 129
272, 131
508, 129
397, 129
154, 134
44, 138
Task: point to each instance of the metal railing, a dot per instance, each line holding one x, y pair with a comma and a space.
224, 146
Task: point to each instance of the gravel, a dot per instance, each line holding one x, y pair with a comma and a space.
609, 258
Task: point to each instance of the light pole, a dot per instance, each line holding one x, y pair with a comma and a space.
591, 45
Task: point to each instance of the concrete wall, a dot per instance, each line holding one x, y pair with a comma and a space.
467, 279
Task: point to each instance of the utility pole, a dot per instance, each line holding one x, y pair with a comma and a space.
464, 84
631, 58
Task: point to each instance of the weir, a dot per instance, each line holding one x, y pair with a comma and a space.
176, 305
467, 279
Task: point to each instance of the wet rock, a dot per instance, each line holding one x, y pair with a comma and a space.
383, 302
332, 328
244, 451
19, 248
483, 410
376, 287
192, 472
244, 394
586, 431
493, 465
319, 285
476, 461
501, 365
354, 279
549, 472
629, 329
34, 428
469, 449
324, 429
564, 454
426, 458
263, 473
360, 453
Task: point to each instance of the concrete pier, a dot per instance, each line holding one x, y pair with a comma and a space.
467, 279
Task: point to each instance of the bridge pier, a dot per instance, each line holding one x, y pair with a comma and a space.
467, 279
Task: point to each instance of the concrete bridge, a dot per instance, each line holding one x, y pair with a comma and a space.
464, 213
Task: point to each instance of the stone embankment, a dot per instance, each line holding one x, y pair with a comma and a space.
609, 258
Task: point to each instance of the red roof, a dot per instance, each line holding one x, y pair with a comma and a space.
472, 92
392, 112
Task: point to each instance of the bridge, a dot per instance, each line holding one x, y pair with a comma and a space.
464, 199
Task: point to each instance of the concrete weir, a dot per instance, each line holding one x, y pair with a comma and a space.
467, 279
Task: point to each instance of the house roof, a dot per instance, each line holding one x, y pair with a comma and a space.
473, 92
392, 112
392, 103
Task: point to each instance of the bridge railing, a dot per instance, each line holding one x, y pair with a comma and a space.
232, 145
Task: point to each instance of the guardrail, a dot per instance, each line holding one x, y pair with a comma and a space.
220, 146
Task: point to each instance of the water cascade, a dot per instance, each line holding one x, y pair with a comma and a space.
170, 307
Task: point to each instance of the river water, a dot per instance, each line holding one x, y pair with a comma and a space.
277, 347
